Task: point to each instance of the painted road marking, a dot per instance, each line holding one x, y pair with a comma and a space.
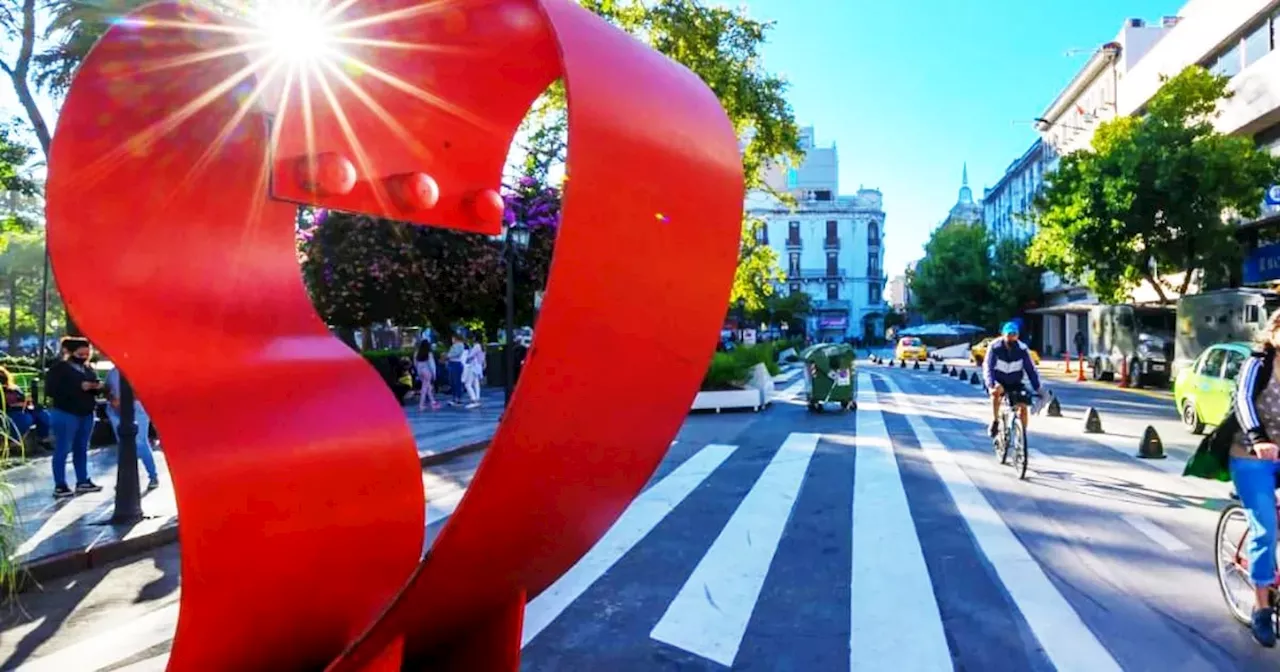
1156, 533
888, 632
1067, 641
111, 647
791, 390
709, 615
644, 514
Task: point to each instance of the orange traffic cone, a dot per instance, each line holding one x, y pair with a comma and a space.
1080, 370
1066, 357
1124, 373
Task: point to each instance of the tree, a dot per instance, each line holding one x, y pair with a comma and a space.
1154, 196
953, 281
361, 270
758, 270
1015, 281
722, 46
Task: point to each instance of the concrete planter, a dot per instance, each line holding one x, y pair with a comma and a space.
719, 400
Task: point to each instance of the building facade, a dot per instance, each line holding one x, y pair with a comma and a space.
965, 211
1006, 207
831, 245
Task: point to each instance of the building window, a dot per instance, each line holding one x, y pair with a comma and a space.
831, 232
873, 266
1257, 43
873, 233
793, 233
833, 291
832, 266
822, 195
873, 293
793, 263
795, 288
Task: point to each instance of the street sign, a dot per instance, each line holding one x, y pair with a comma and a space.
1273, 195
1262, 264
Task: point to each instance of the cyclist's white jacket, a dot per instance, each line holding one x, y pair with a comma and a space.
1006, 365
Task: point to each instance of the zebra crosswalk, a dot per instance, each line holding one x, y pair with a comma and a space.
884, 539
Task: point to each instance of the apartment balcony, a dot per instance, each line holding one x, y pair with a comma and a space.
793, 244
832, 305
831, 243
817, 274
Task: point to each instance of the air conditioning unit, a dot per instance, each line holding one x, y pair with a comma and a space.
1170, 21
1136, 23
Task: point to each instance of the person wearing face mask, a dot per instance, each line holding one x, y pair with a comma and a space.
73, 389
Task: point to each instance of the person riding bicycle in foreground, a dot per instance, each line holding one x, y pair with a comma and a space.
1008, 360
1253, 469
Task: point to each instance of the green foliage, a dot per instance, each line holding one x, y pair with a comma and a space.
758, 270
1154, 196
731, 370
1015, 282
953, 281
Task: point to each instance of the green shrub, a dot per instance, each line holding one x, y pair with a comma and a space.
725, 373
761, 353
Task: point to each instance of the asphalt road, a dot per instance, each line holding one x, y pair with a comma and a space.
883, 539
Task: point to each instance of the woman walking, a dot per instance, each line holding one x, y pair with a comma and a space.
141, 419
473, 372
425, 363
73, 388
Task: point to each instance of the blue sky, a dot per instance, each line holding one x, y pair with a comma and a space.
909, 91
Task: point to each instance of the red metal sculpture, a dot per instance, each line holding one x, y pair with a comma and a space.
180, 153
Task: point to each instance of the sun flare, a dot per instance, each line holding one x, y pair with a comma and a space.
297, 31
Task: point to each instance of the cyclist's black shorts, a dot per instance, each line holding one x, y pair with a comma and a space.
1018, 395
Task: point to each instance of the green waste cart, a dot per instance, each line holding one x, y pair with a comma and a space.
830, 376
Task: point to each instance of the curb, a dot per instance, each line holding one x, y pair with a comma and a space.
33, 575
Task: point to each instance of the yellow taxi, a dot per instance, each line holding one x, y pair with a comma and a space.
979, 352
911, 348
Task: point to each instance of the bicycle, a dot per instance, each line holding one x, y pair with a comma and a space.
1230, 559
1012, 432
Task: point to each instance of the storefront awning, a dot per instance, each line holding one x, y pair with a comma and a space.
1064, 309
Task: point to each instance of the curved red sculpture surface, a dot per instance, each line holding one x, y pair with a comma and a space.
181, 151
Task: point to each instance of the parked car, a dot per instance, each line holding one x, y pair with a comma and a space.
979, 352
910, 347
1203, 391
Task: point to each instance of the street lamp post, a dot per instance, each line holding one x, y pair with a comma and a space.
517, 236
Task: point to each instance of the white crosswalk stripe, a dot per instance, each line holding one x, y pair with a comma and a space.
894, 614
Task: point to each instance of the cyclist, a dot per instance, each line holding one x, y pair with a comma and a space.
1008, 360
1253, 465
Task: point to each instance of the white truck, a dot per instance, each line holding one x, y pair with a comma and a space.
1220, 316
1141, 335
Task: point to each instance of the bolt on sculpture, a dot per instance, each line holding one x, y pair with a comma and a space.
184, 146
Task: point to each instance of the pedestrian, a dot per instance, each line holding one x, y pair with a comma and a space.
1080, 343
21, 412
140, 419
457, 353
425, 362
73, 389
473, 372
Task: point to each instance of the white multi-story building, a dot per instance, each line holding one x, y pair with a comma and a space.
831, 246
1006, 207
1238, 39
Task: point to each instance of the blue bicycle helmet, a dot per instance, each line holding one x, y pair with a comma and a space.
1009, 328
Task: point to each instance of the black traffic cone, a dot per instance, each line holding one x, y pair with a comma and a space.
1053, 409
917, 365
1092, 423
945, 370
930, 367
1151, 447
974, 379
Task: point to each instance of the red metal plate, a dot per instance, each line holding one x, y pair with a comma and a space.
300, 500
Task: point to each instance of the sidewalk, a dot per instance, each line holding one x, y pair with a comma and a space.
68, 536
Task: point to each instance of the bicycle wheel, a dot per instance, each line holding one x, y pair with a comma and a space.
1232, 565
1001, 443
1018, 437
